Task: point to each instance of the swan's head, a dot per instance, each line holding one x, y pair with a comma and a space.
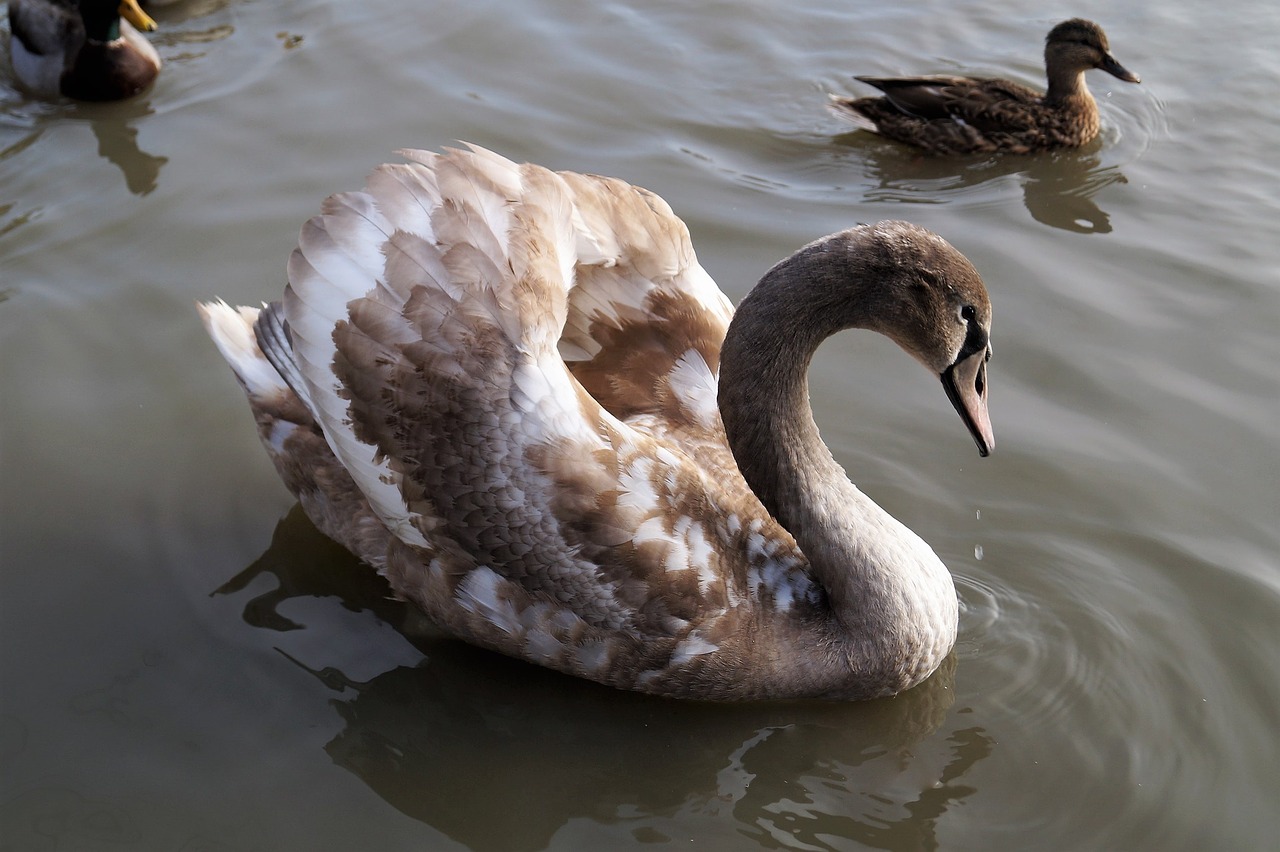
892, 277
934, 306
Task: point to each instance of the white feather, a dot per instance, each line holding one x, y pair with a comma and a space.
478, 593
232, 332
695, 386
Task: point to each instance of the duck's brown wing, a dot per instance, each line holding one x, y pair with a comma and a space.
986, 103
993, 105
926, 97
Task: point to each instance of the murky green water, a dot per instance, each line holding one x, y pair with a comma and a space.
186, 664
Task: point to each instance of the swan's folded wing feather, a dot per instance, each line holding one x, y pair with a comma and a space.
642, 307
434, 363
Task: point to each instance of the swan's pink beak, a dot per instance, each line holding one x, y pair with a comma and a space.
966, 384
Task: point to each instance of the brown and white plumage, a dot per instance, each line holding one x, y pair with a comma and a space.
947, 114
497, 384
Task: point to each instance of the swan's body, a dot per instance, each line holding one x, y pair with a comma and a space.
498, 385
81, 48
963, 115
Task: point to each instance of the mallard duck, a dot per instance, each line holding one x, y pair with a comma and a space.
516, 394
81, 48
966, 115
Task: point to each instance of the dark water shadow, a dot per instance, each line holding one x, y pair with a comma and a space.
1058, 187
116, 128
114, 125
501, 755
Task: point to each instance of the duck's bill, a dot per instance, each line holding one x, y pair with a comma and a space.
966, 384
1115, 69
132, 12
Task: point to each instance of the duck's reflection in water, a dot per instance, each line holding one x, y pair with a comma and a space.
115, 127
1059, 191
502, 755
1058, 187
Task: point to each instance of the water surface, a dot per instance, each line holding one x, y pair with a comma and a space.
186, 663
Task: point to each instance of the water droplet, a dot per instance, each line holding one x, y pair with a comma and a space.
977, 552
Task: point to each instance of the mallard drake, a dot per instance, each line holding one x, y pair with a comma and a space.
81, 48
966, 115
516, 394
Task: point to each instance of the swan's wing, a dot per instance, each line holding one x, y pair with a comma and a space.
403, 301
645, 322
426, 316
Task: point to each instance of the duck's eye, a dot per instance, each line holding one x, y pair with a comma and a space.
968, 312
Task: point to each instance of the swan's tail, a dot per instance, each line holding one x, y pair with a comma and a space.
241, 337
233, 334
254, 343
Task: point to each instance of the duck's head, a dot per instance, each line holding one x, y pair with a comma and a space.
1078, 45
102, 18
938, 311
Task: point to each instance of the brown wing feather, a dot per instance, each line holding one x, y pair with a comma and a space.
927, 97
996, 106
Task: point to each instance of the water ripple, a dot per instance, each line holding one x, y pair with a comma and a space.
1133, 124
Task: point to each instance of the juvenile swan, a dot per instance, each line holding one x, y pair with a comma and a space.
516, 394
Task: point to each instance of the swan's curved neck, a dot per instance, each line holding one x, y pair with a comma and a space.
885, 586
764, 387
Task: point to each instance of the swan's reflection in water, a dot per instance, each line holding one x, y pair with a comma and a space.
1058, 188
501, 755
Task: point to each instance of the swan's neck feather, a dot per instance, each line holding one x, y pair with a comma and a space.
893, 603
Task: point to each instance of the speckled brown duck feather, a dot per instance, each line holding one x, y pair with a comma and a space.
516, 394
966, 115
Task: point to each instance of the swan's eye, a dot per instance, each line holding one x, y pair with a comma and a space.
968, 312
